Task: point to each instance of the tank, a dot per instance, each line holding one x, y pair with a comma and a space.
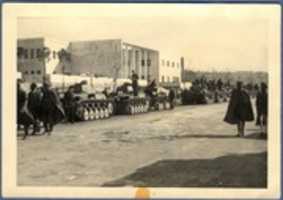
90, 106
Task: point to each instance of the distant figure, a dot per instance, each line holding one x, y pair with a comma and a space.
24, 117
172, 98
52, 112
70, 104
34, 102
262, 107
239, 109
135, 86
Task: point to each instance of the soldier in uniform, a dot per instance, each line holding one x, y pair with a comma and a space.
70, 104
171, 98
135, 86
52, 111
262, 107
24, 117
239, 109
34, 99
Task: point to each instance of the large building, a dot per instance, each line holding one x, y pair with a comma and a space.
37, 57
112, 58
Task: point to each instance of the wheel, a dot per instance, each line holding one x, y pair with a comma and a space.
85, 114
101, 113
106, 112
91, 114
96, 113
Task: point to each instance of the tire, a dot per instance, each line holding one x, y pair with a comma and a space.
96, 111
101, 113
85, 115
91, 114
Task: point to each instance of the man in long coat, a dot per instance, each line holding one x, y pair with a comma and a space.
262, 107
239, 109
70, 104
24, 117
34, 102
135, 85
52, 111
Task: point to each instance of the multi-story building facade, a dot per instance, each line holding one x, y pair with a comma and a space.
112, 58
170, 72
37, 57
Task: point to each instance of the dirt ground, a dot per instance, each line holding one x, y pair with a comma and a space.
188, 147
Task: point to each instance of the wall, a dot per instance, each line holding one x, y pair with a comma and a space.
100, 58
170, 71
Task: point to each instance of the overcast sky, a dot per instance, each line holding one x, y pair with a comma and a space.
210, 37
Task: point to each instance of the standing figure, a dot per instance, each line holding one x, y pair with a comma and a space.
24, 117
171, 98
52, 111
135, 86
239, 109
70, 105
34, 102
262, 107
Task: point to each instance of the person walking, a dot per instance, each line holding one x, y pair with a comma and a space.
52, 111
239, 109
262, 107
135, 86
70, 105
172, 98
34, 100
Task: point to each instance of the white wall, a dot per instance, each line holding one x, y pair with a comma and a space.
169, 70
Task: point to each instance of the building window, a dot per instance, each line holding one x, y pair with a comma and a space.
38, 72
173, 64
32, 72
26, 72
142, 63
162, 79
148, 62
38, 52
32, 53
168, 63
26, 54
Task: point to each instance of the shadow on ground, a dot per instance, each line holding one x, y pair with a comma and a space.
245, 170
254, 135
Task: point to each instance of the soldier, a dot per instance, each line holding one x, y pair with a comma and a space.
239, 109
262, 107
34, 100
52, 112
70, 104
24, 117
135, 86
171, 98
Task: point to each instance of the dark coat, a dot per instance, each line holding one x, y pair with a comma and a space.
262, 103
24, 117
239, 108
34, 102
51, 108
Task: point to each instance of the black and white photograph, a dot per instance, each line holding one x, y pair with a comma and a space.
143, 100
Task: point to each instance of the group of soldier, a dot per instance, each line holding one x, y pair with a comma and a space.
41, 104
240, 108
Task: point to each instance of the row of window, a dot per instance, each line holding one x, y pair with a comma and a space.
32, 72
170, 64
33, 53
174, 79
